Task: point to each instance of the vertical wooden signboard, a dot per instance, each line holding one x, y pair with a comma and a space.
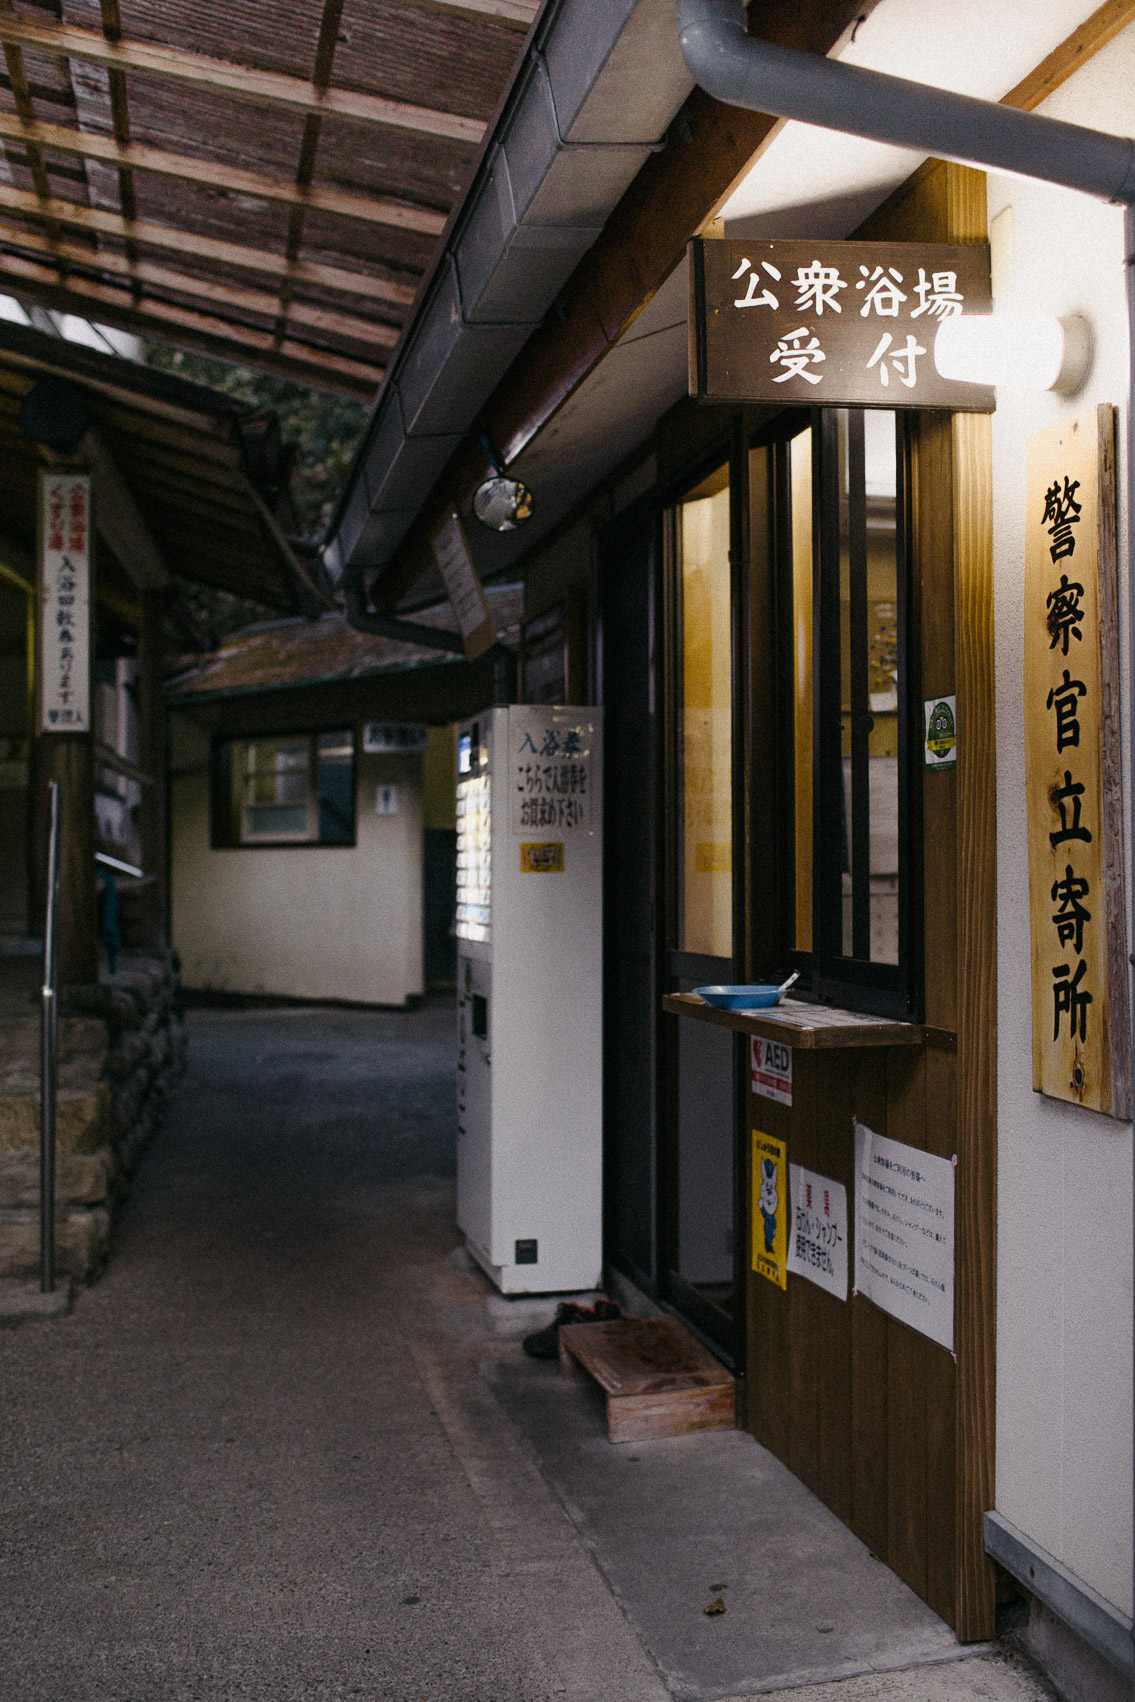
64, 603
1081, 1049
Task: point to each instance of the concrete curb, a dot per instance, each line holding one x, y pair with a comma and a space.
22, 1300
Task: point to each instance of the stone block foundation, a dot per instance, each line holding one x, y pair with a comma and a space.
121, 1052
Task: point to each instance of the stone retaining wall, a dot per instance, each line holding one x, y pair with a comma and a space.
121, 1050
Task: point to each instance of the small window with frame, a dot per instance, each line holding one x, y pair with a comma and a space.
848, 913
285, 789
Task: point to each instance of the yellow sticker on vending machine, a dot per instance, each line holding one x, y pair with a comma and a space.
770, 1208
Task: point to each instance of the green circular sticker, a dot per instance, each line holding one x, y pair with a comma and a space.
941, 735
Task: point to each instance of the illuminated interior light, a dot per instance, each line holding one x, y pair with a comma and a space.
1015, 351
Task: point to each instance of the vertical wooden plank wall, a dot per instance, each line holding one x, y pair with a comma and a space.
976, 1211
876, 1419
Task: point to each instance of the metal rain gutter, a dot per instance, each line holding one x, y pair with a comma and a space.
598, 87
743, 70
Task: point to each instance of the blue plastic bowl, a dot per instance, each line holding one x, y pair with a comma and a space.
753, 998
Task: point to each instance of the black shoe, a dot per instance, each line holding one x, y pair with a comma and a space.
545, 1343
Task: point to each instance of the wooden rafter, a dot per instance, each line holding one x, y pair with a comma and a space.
145, 231
241, 81
305, 169
1075, 50
518, 14
21, 94
137, 156
262, 302
120, 121
35, 281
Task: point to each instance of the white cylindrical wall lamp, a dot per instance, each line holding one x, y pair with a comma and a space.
1015, 351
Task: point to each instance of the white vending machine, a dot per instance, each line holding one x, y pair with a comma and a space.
530, 1002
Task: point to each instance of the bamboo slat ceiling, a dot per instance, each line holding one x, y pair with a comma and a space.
265, 180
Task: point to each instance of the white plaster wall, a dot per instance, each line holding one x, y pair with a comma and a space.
313, 922
1064, 1308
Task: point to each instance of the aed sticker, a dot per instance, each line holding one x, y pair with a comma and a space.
771, 1069
545, 859
941, 749
770, 1208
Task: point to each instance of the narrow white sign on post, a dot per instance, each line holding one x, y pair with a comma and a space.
770, 1069
551, 770
904, 1233
817, 1233
65, 602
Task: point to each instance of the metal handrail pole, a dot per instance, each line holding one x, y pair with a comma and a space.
48, 1055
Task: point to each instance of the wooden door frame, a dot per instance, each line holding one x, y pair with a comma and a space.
694, 441
953, 543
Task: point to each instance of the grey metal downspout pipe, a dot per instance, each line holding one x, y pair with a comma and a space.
785, 82
390, 626
431, 638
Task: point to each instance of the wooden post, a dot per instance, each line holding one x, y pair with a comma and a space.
69, 759
152, 750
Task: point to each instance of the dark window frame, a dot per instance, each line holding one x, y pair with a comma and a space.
853, 983
222, 836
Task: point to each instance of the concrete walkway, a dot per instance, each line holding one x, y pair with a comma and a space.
279, 1452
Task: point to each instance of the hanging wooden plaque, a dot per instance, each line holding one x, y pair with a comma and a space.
832, 324
1081, 1044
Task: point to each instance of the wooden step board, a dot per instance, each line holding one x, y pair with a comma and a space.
658, 1380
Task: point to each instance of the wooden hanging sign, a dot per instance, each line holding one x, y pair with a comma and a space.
832, 324
463, 586
1081, 1045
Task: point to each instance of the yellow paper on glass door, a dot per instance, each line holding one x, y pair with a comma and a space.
770, 1208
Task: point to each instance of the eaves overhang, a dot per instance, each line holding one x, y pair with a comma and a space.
596, 91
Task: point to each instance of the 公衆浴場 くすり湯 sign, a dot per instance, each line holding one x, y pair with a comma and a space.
832, 324
1072, 767
64, 603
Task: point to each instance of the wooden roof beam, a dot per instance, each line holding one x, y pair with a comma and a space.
138, 156
145, 231
35, 281
515, 14
243, 82
120, 120
332, 13
117, 517
188, 283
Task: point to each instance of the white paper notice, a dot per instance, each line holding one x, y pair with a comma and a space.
817, 1235
904, 1233
770, 1072
64, 590
551, 770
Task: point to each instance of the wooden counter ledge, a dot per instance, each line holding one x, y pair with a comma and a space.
810, 1027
